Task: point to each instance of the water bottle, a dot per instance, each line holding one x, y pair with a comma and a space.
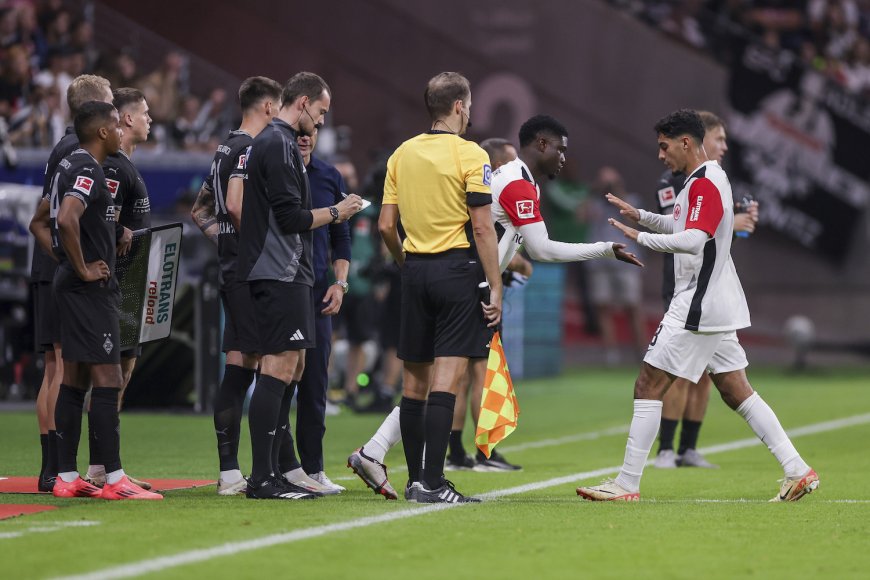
742, 206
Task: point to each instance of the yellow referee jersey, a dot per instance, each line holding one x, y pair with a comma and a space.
433, 178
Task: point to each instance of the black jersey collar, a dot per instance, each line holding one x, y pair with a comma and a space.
439, 132
281, 123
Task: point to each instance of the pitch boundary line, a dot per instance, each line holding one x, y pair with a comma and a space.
227, 549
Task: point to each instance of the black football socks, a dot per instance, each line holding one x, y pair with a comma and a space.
228, 404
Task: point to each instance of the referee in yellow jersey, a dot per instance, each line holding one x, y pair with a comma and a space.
438, 183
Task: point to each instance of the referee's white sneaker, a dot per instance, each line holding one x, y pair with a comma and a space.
321, 478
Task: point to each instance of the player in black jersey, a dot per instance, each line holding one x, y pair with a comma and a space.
259, 98
132, 212
686, 401
89, 301
82, 89
275, 257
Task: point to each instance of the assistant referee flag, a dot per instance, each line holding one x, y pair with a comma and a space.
499, 409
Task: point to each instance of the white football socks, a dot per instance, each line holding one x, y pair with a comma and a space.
96, 471
231, 475
114, 477
387, 435
641, 436
766, 426
68, 476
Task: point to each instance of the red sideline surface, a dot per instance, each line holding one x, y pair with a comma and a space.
28, 484
10, 510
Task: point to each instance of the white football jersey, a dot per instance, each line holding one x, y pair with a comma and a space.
708, 296
516, 201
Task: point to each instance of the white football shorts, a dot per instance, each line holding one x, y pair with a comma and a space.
688, 354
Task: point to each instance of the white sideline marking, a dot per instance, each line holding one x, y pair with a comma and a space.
47, 527
230, 548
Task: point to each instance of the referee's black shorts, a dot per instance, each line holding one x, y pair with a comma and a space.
46, 319
441, 312
240, 323
90, 318
284, 315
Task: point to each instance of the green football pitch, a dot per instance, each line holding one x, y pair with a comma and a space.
690, 523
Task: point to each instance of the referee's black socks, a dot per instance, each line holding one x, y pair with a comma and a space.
103, 416
228, 404
283, 454
439, 419
411, 414
68, 426
263, 413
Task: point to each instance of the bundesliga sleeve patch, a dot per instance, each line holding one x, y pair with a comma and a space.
113, 186
487, 174
667, 196
83, 184
243, 160
525, 209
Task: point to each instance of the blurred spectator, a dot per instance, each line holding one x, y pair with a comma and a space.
119, 68
213, 121
856, 72
56, 75
9, 35
683, 23
164, 87
16, 83
184, 130
83, 42
32, 36
613, 287
58, 31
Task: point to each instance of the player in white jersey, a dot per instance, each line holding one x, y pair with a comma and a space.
516, 208
697, 333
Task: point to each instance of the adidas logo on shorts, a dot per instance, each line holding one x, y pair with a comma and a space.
297, 335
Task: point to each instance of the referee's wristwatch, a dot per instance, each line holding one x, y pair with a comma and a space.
342, 284
333, 211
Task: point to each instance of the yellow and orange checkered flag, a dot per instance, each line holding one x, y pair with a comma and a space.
499, 410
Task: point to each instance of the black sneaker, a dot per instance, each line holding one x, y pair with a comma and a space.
274, 488
46, 484
496, 462
411, 489
445, 494
463, 463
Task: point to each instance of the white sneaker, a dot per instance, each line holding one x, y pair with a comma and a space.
234, 488
332, 409
607, 490
321, 478
666, 459
299, 478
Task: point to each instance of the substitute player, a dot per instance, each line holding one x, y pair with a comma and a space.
132, 212
259, 98
698, 332
684, 400
275, 257
89, 304
82, 89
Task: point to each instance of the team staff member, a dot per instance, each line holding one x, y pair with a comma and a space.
133, 212
258, 99
275, 257
685, 400
82, 89
439, 184
89, 301
327, 188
